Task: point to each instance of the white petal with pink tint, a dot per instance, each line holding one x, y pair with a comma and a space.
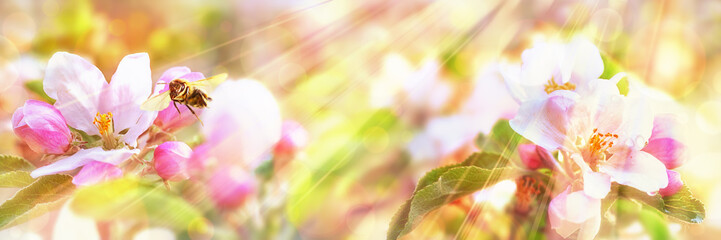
637, 169
581, 60
130, 86
82, 157
546, 121
596, 185
76, 85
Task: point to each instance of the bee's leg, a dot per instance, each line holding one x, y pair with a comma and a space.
196, 115
176, 107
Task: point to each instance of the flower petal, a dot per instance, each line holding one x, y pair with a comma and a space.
95, 172
637, 169
130, 86
596, 185
540, 63
581, 60
545, 122
82, 157
77, 86
669, 151
590, 227
579, 207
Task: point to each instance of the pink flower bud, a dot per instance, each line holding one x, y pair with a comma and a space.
674, 184
293, 138
230, 187
534, 156
668, 150
171, 160
96, 172
42, 127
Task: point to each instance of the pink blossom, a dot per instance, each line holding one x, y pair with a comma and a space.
95, 172
170, 160
230, 187
42, 127
601, 130
169, 119
90, 104
674, 184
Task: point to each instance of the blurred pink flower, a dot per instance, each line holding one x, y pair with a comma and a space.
445, 134
90, 104
42, 127
230, 187
242, 123
168, 119
170, 160
569, 212
95, 172
674, 184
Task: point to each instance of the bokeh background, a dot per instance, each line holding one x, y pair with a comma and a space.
387, 89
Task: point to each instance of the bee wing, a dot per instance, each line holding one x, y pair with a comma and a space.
157, 102
210, 82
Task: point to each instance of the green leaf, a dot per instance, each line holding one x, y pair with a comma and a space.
15, 172
450, 185
654, 223
36, 86
265, 170
45, 194
502, 139
622, 86
9, 163
484, 160
15, 179
130, 198
610, 67
682, 205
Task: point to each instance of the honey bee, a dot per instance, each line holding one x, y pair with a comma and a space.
190, 94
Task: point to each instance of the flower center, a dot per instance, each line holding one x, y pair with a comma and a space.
104, 123
598, 144
527, 188
553, 86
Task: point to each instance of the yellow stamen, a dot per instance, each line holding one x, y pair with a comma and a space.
105, 125
553, 86
598, 144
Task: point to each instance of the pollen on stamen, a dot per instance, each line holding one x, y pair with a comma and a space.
104, 123
600, 142
527, 189
552, 86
